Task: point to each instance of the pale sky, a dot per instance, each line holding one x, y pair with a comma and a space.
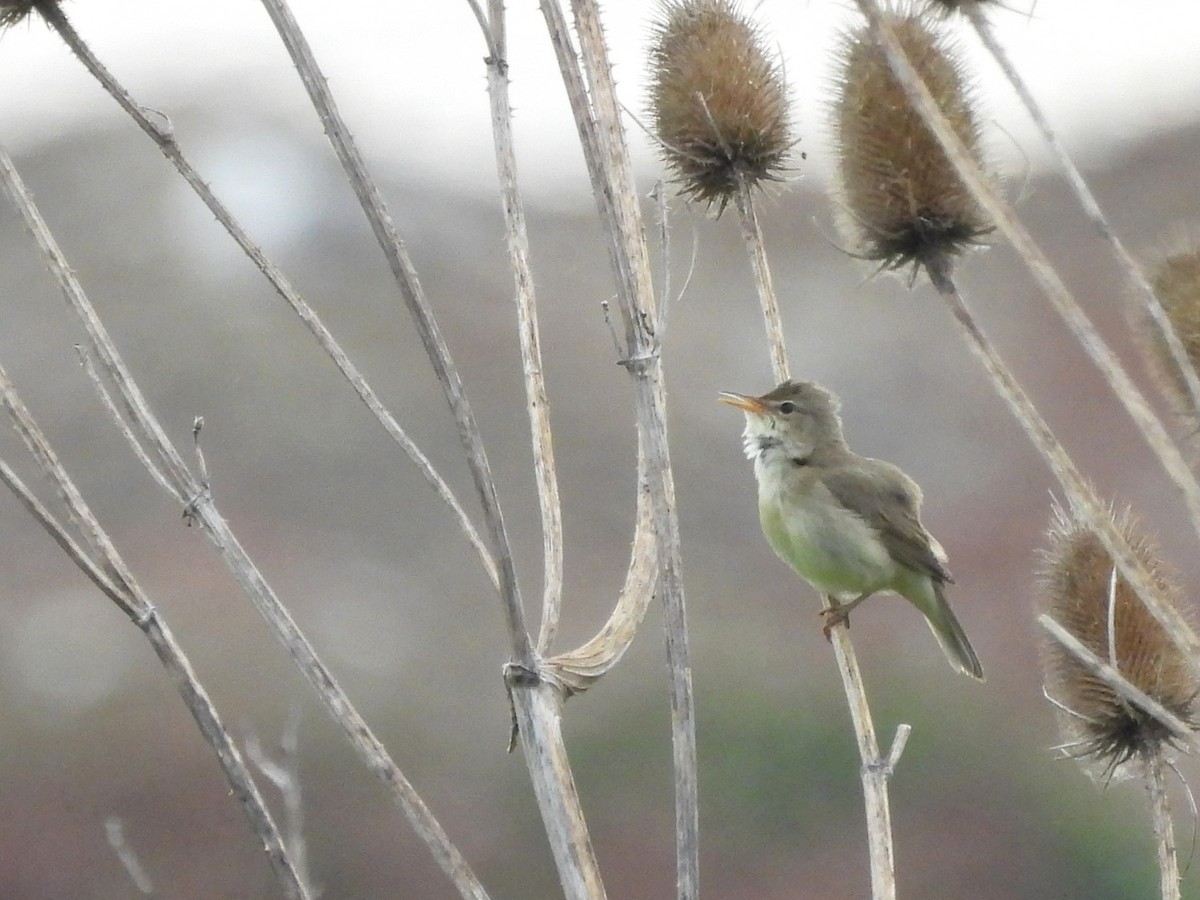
410, 80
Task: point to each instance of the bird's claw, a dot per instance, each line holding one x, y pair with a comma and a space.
834, 616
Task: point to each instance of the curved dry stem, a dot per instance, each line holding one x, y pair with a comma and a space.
577, 670
1087, 200
165, 141
418, 306
597, 116
536, 400
199, 507
1052, 285
757, 251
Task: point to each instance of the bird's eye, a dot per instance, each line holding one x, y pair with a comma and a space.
787, 407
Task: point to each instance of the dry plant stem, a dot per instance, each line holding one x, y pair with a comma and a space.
1132, 399
165, 141
114, 830
418, 307
536, 400
1164, 828
199, 507
1079, 493
597, 116
755, 248
874, 771
1137, 277
537, 704
578, 669
285, 775
115, 580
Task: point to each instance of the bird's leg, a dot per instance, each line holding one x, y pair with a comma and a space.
839, 613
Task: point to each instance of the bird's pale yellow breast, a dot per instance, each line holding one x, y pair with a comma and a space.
829, 546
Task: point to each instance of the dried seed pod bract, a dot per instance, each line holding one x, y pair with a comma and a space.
718, 99
1078, 591
900, 200
1175, 278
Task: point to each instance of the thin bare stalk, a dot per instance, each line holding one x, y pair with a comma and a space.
874, 770
199, 507
536, 400
284, 773
1132, 399
1137, 277
757, 251
597, 116
110, 574
418, 306
1039, 266
165, 140
114, 831
1079, 493
1164, 828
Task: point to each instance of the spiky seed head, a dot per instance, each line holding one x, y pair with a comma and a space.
13, 11
717, 99
949, 7
900, 199
1176, 282
1103, 729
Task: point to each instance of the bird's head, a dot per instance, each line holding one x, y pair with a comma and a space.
794, 421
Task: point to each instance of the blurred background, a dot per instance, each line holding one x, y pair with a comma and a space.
372, 566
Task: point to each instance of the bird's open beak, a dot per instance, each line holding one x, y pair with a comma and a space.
741, 401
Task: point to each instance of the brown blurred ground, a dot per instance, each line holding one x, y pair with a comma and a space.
374, 570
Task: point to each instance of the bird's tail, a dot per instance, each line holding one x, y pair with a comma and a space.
950, 634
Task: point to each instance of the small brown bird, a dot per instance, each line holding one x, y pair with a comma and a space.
849, 525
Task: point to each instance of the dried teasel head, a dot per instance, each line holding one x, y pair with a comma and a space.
1080, 591
717, 98
1175, 278
900, 200
13, 11
949, 7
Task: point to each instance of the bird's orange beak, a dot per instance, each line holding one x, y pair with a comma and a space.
741, 401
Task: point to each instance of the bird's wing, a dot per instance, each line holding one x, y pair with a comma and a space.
889, 501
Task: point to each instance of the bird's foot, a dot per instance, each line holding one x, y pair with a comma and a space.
838, 613
832, 617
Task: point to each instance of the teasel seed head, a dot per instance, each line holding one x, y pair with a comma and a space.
1175, 278
13, 11
949, 7
718, 99
1078, 590
900, 200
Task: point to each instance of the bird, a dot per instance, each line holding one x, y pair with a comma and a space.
847, 524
